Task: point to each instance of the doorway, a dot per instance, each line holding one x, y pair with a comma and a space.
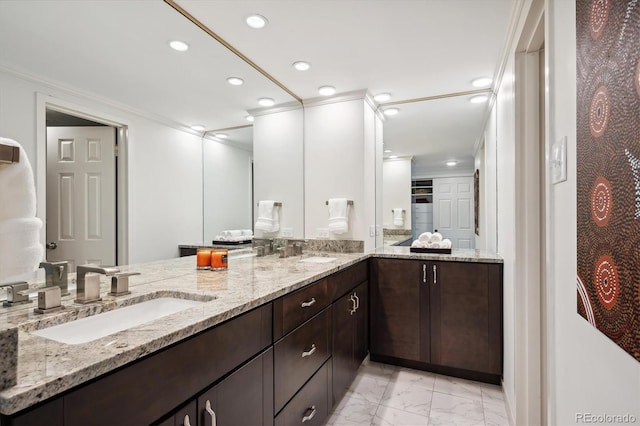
82, 170
81, 191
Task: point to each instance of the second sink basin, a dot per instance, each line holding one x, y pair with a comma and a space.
318, 259
94, 327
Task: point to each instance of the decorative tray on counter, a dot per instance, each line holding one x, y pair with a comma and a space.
430, 250
231, 243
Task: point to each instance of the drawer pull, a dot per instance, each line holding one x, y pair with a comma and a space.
312, 412
309, 303
435, 274
310, 351
207, 407
424, 273
186, 421
357, 301
353, 309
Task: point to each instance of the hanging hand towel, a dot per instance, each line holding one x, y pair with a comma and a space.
20, 247
338, 215
268, 218
398, 217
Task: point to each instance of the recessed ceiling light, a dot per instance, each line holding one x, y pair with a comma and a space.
221, 135
393, 156
256, 21
482, 82
249, 118
391, 111
178, 45
197, 127
386, 151
478, 99
267, 102
301, 65
382, 97
327, 90
235, 81
451, 163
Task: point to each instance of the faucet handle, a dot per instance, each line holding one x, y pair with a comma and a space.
15, 293
120, 283
49, 300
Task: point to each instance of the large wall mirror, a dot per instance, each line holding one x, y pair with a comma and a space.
110, 61
431, 152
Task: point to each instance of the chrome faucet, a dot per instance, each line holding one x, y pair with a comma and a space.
15, 294
88, 286
56, 275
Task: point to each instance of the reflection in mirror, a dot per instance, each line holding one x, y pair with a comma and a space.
227, 181
428, 167
111, 61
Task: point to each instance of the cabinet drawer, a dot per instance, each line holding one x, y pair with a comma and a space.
310, 406
342, 282
293, 309
298, 355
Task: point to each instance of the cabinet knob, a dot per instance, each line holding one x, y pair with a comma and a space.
209, 410
309, 303
310, 351
311, 413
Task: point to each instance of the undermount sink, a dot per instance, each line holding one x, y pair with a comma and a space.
94, 327
318, 259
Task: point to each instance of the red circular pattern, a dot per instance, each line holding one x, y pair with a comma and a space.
601, 201
599, 112
606, 282
599, 16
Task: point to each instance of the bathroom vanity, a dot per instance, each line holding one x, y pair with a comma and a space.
270, 341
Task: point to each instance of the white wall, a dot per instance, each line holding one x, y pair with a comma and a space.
277, 153
339, 155
396, 191
588, 372
489, 184
165, 167
227, 189
505, 149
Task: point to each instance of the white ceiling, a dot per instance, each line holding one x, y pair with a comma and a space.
410, 48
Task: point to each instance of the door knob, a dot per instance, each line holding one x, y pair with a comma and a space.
51, 246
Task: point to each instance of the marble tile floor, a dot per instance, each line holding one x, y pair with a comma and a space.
388, 395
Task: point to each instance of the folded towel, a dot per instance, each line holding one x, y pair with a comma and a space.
247, 233
425, 237
20, 248
268, 217
436, 237
398, 217
17, 187
446, 243
338, 219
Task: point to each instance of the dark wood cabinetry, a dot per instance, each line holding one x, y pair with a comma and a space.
312, 404
243, 398
183, 416
350, 337
440, 316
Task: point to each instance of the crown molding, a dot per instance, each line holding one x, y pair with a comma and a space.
289, 106
340, 97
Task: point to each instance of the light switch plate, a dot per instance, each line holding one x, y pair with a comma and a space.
323, 232
287, 232
559, 161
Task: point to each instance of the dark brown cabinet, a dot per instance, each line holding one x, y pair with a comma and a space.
243, 398
438, 315
350, 337
184, 416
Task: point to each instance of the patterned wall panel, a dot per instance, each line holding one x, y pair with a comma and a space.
608, 168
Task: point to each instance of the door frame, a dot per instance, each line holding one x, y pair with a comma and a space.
532, 195
44, 102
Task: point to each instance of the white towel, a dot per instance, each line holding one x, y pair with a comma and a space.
247, 233
398, 217
20, 249
17, 187
338, 219
268, 217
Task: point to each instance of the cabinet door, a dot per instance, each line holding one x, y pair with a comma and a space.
343, 345
466, 316
361, 325
243, 398
398, 305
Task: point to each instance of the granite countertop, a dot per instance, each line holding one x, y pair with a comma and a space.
47, 368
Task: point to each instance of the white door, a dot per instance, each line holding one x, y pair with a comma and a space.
453, 210
81, 195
